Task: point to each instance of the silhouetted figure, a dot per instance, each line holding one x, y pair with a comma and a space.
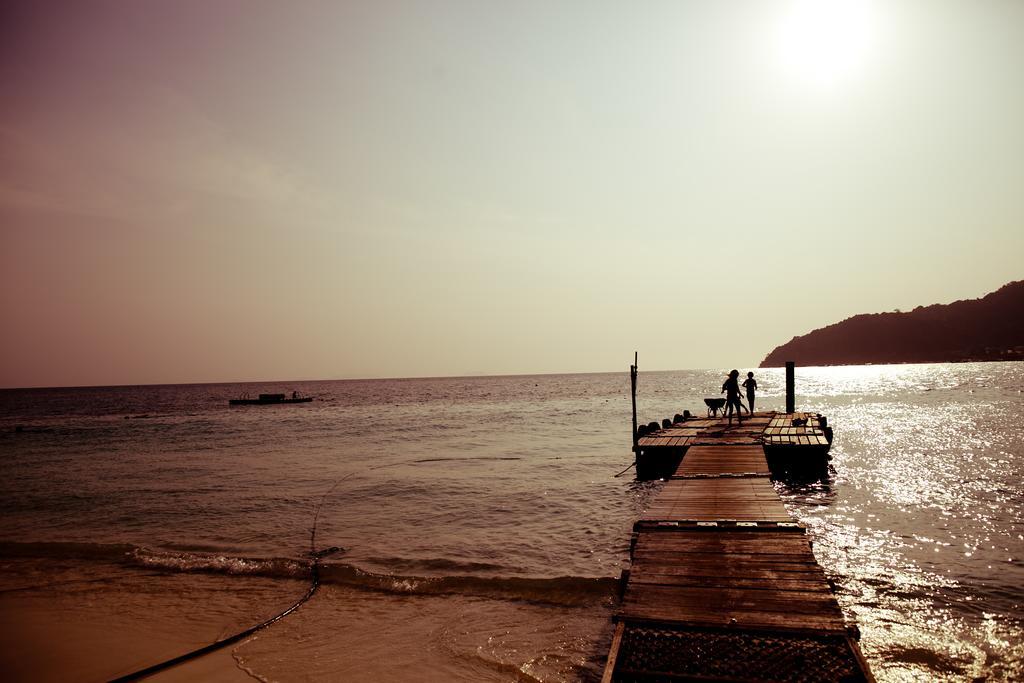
731, 389
750, 384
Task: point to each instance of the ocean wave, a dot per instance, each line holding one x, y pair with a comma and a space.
282, 568
435, 565
562, 590
568, 591
146, 558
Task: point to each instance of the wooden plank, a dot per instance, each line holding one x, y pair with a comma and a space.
766, 542
742, 499
751, 574
613, 653
739, 554
739, 609
736, 608
693, 601
719, 459
655, 562
746, 565
743, 559
718, 582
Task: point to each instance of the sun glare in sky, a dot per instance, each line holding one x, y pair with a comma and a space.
411, 189
826, 42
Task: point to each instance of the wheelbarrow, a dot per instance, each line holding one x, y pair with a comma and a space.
714, 405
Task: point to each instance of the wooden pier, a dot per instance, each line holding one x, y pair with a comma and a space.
788, 447
723, 585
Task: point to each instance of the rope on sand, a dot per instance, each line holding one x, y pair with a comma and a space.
317, 555
224, 642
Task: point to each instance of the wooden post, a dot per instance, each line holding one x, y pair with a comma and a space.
790, 387
632, 382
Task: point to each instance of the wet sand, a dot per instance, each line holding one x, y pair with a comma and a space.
82, 622
84, 644
85, 621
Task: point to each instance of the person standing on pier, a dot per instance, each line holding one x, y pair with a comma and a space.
731, 389
750, 384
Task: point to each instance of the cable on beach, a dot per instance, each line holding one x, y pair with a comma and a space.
316, 556
224, 642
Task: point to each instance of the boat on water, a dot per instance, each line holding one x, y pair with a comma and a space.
270, 399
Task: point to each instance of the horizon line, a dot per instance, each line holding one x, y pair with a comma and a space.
426, 377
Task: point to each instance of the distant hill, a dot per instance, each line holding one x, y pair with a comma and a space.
986, 329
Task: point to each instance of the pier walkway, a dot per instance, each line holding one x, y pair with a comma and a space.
723, 585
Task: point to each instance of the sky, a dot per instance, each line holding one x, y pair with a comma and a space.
239, 190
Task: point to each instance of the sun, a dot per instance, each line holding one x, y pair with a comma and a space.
825, 42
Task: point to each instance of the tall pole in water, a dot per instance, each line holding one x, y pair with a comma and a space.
632, 382
790, 387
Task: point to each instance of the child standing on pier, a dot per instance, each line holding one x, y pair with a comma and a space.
731, 389
750, 384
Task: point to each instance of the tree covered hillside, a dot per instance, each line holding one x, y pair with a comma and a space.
990, 328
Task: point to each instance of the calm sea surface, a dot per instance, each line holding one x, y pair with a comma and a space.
483, 529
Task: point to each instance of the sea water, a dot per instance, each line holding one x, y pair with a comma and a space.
481, 527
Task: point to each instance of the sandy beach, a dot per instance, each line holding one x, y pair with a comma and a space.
98, 622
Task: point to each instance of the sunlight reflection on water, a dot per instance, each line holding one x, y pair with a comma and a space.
921, 525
